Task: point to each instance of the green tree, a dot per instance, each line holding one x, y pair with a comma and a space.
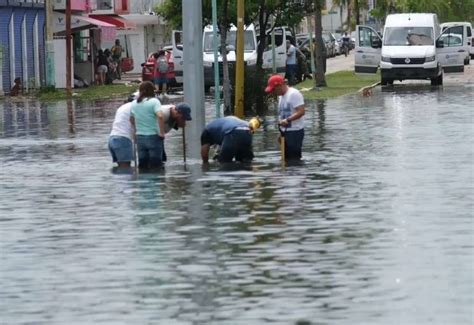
287, 13
447, 10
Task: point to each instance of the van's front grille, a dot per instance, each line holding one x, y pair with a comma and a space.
407, 60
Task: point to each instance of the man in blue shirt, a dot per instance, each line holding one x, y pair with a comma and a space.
233, 135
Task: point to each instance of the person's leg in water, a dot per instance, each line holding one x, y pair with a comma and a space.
243, 143
155, 151
293, 144
228, 149
142, 150
121, 150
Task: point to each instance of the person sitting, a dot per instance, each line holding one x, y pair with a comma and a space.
16, 89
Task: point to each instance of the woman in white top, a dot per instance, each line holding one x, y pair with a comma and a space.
120, 139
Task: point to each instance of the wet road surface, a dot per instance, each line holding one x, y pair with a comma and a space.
374, 227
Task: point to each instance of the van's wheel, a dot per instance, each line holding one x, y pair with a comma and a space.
438, 81
390, 82
466, 61
384, 82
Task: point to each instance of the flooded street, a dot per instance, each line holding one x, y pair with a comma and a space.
374, 227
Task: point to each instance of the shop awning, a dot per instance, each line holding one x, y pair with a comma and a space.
77, 23
117, 21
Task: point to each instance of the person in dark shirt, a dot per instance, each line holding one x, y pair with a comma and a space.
233, 135
102, 66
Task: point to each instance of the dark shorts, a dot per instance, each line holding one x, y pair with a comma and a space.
150, 151
237, 144
121, 149
160, 80
293, 144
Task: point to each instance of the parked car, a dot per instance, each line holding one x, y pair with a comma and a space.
148, 66
330, 42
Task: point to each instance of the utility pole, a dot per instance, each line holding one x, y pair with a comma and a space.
68, 48
217, 83
50, 73
239, 71
193, 73
274, 64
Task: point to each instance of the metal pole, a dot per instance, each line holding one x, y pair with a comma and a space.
239, 73
68, 48
217, 83
274, 65
310, 31
1, 71
50, 73
193, 73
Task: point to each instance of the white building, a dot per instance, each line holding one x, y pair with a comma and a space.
149, 36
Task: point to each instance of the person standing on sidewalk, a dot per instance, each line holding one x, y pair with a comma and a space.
161, 72
291, 113
291, 63
117, 50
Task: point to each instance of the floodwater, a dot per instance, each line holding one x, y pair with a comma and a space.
374, 227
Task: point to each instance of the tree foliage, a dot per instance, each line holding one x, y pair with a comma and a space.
447, 10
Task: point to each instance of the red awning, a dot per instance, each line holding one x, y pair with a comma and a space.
78, 23
118, 21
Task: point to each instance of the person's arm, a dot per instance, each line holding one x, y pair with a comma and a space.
299, 112
205, 153
161, 123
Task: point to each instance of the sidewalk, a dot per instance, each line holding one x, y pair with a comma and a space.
340, 63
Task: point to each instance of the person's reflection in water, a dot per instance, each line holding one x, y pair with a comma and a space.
122, 170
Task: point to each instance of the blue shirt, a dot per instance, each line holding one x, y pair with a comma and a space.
217, 129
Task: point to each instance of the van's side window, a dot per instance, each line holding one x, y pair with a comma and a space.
469, 31
365, 37
453, 36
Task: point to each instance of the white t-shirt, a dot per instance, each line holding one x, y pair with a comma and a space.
287, 105
291, 55
122, 126
166, 111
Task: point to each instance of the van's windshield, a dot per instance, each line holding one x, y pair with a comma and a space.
408, 36
249, 41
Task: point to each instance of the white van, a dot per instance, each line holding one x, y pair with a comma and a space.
250, 52
411, 49
459, 32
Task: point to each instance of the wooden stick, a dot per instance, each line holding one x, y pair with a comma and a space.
184, 145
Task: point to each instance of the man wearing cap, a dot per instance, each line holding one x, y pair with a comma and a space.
291, 113
233, 135
173, 117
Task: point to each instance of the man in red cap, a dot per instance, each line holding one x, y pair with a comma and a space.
291, 112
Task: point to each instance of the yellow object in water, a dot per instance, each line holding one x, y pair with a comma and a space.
254, 124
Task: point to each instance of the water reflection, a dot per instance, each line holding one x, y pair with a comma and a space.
374, 227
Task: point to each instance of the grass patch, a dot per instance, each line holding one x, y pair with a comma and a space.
89, 93
338, 84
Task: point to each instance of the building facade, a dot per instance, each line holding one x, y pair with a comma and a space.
22, 44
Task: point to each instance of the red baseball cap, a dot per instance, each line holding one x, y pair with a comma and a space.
274, 81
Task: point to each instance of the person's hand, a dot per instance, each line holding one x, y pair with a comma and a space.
284, 122
162, 135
